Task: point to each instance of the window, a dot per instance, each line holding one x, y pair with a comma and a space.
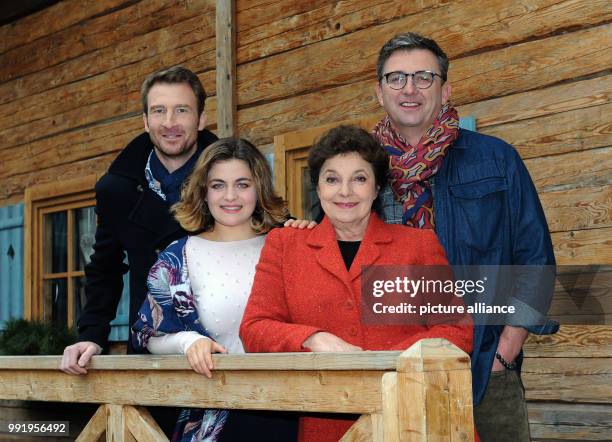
60, 227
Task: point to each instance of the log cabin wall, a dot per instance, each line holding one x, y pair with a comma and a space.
536, 73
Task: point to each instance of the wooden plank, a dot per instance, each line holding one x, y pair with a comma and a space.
462, 410
570, 131
578, 341
95, 427
577, 209
172, 38
226, 68
437, 415
321, 21
500, 23
568, 379
583, 247
434, 394
261, 122
390, 409
317, 391
15, 185
371, 360
360, 431
571, 170
57, 17
142, 426
272, 30
435, 354
569, 422
70, 147
540, 102
99, 31
112, 95
116, 426
411, 407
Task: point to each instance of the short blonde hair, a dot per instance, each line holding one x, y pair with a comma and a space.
192, 212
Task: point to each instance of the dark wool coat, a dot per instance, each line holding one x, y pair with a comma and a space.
132, 220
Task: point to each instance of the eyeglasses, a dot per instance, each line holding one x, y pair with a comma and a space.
420, 79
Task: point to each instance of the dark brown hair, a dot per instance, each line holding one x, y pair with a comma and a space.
343, 140
192, 212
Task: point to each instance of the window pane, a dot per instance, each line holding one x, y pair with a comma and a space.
310, 201
79, 297
55, 301
56, 253
84, 236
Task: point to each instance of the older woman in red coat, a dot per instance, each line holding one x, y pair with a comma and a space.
307, 290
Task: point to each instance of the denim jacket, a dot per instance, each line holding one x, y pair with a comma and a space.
487, 212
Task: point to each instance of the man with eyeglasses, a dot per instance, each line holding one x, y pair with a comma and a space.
475, 191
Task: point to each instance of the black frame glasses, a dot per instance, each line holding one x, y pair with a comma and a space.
420, 79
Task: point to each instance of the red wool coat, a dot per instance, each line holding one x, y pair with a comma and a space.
302, 286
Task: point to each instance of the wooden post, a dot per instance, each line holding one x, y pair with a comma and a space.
226, 68
434, 393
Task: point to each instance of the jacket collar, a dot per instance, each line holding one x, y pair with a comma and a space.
323, 237
461, 141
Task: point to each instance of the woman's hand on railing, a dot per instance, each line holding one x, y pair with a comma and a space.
199, 355
300, 224
324, 341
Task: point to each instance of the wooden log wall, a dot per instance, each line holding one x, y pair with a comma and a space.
536, 73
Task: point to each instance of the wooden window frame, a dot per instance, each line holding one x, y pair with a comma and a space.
41, 200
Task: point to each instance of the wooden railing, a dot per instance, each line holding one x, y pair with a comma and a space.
421, 394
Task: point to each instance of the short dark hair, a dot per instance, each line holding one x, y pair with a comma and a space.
409, 41
344, 140
173, 75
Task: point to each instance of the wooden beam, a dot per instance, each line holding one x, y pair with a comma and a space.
116, 425
572, 341
142, 426
318, 391
434, 393
368, 428
226, 68
390, 410
96, 426
371, 360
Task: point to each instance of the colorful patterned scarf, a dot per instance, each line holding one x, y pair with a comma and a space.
411, 167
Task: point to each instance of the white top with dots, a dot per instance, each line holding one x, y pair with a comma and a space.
221, 275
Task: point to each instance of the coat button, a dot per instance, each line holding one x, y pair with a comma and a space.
353, 331
157, 251
350, 304
139, 188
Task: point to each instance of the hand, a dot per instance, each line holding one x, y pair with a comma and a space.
77, 356
324, 341
199, 355
509, 346
300, 224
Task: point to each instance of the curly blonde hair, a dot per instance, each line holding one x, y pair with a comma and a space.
192, 212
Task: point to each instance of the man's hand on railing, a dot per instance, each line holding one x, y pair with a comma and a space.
77, 356
324, 341
199, 355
